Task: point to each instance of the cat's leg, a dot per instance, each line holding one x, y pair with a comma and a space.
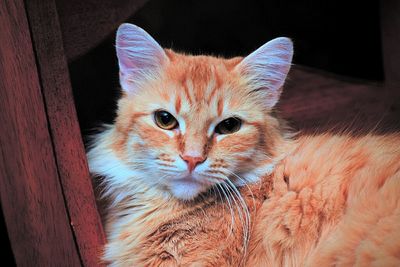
290, 223
368, 234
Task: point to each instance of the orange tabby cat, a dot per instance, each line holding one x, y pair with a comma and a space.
199, 172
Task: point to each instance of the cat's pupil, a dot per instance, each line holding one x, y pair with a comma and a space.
165, 117
228, 126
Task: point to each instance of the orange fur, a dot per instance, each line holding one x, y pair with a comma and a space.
329, 199
331, 210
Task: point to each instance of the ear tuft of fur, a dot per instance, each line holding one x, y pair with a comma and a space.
267, 67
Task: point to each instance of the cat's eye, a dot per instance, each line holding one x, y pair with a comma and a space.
228, 126
165, 120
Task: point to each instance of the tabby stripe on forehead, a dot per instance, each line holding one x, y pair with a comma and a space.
186, 91
199, 92
216, 85
220, 106
178, 103
215, 89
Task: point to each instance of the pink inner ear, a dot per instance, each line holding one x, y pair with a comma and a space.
138, 55
267, 68
125, 62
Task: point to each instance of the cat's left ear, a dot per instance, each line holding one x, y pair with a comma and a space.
266, 69
140, 57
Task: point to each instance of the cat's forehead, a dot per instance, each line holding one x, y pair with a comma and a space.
198, 90
200, 71
201, 82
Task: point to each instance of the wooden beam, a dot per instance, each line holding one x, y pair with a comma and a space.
30, 191
63, 122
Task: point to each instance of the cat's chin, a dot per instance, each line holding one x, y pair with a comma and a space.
186, 190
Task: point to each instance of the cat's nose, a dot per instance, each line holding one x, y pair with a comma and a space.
192, 162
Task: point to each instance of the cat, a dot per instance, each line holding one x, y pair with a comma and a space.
199, 171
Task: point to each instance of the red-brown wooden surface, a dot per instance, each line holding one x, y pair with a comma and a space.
63, 123
317, 101
31, 195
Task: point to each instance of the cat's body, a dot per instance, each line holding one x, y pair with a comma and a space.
332, 200
322, 200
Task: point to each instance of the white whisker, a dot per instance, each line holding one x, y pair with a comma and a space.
248, 187
220, 196
164, 169
246, 230
245, 216
230, 208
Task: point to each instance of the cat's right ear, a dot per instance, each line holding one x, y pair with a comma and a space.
140, 57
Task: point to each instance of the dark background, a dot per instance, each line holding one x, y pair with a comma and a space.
342, 37
339, 36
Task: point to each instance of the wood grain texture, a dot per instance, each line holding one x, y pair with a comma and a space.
84, 24
31, 195
63, 122
317, 101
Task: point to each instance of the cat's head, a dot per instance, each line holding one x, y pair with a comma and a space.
186, 123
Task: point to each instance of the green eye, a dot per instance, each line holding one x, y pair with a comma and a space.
165, 120
228, 126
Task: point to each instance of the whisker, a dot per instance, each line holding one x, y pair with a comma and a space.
245, 183
204, 212
241, 200
215, 190
230, 208
214, 172
168, 170
166, 165
234, 200
215, 179
245, 216
241, 207
161, 177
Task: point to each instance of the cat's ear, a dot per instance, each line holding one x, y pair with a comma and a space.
140, 57
267, 67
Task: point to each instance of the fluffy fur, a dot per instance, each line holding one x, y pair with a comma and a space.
260, 197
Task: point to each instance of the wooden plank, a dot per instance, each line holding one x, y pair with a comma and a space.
317, 101
63, 122
30, 191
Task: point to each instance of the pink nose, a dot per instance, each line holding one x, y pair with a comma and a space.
192, 162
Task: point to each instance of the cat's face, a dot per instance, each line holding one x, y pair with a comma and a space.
188, 123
